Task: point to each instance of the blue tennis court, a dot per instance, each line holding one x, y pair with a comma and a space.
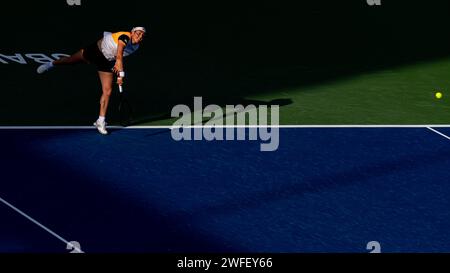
138, 190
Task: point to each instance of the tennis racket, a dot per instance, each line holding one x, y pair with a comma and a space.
125, 110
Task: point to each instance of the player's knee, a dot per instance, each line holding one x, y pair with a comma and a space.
107, 91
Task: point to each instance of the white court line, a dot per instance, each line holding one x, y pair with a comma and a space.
288, 126
41, 226
439, 133
54, 127
220, 126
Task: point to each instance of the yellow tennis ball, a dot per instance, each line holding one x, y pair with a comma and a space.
438, 95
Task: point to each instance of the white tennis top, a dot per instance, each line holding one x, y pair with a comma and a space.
111, 41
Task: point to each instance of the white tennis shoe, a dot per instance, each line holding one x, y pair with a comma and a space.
101, 127
44, 68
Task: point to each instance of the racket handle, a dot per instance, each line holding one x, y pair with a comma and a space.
120, 86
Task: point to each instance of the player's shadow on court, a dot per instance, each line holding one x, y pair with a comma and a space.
280, 102
244, 102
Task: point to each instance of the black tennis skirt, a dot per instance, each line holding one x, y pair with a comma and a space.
94, 56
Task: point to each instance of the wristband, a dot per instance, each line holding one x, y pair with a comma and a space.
122, 74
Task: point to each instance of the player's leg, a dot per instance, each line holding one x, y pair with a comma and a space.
106, 79
73, 59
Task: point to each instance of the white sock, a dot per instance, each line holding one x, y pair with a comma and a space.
101, 119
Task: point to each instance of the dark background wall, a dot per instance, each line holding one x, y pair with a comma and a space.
221, 50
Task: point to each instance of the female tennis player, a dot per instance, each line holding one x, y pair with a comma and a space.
107, 55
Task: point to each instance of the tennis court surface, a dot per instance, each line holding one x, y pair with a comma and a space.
328, 189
